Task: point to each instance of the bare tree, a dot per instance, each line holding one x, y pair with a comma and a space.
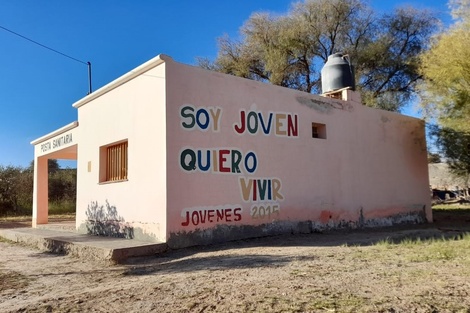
289, 50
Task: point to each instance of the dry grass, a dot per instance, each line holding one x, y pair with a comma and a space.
368, 271
451, 207
430, 250
27, 218
11, 282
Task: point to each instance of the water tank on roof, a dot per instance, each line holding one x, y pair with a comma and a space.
337, 73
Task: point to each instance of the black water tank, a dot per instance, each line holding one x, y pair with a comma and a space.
337, 73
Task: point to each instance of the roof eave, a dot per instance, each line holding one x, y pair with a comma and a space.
161, 58
55, 133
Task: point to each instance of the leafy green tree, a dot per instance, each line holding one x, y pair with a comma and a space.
16, 189
434, 157
52, 166
455, 146
8, 176
24, 189
290, 50
445, 89
62, 185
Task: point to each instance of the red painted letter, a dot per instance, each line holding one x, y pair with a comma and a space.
241, 128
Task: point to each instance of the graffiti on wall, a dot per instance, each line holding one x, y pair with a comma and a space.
200, 118
262, 194
277, 123
207, 215
220, 160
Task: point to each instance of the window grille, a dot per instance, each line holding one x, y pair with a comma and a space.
116, 162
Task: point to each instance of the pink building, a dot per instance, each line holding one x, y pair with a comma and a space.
174, 153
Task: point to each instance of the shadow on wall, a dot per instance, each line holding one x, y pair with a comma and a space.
104, 220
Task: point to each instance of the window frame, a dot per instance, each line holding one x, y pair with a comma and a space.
318, 130
114, 162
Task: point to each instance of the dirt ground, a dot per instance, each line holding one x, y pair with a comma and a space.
329, 272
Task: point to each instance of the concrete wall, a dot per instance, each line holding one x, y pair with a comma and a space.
134, 111
370, 170
214, 157
60, 144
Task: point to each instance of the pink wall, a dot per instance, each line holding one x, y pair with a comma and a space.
60, 144
132, 110
370, 170
264, 175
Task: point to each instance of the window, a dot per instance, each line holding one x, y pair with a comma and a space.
113, 165
318, 130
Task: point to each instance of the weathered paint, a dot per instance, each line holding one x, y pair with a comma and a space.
225, 232
371, 167
214, 157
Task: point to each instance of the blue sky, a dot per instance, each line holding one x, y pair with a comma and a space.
38, 86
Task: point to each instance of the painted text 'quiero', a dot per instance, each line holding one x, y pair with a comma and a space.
218, 160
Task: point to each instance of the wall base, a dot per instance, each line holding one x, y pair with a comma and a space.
223, 233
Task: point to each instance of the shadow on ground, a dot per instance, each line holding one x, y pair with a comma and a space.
220, 262
448, 224
458, 219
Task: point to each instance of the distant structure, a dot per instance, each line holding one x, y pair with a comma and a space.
178, 154
442, 181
